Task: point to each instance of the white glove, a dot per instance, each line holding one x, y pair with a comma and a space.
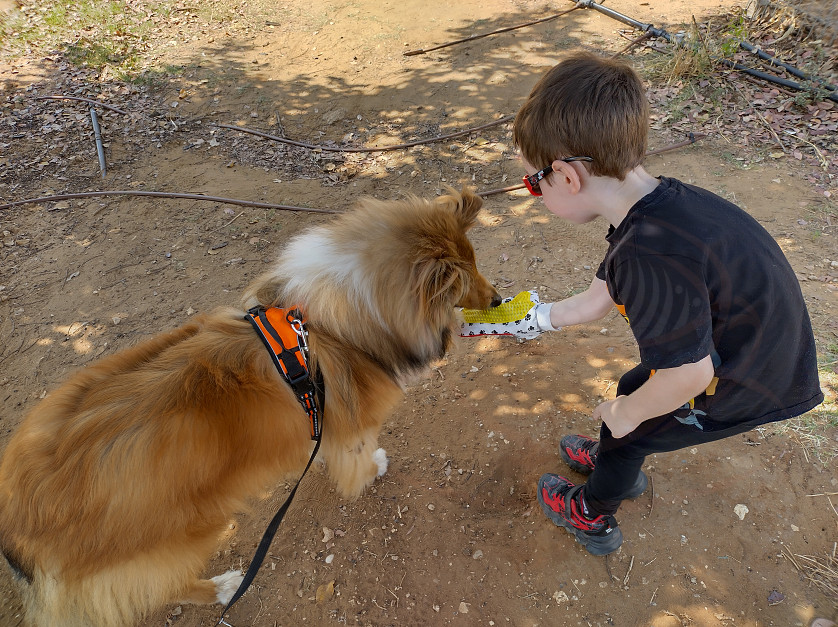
523, 316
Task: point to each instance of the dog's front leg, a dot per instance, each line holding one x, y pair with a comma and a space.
354, 465
219, 589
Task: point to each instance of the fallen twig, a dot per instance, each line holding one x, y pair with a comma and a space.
228, 201
693, 137
87, 100
628, 574
652, 495
224, 226
501, 190
412, 53
418, 142
632, 44
821, 159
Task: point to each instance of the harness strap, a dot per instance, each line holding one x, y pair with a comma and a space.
283, 333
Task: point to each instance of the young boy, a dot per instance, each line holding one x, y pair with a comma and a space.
724, 336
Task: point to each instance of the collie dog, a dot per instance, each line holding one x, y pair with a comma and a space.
116, 488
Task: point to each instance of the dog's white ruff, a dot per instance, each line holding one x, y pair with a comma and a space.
316, 256
226, 585
379, 456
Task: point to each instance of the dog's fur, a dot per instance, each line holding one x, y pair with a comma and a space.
116, 488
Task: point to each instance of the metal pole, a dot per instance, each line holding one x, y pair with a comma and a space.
99, 148
789, 68
625, 19
678, 39
783, 82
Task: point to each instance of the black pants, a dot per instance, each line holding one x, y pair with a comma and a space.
619, 460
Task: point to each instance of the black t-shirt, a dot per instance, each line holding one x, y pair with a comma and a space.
695, 275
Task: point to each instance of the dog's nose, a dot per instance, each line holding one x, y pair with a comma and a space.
496, 300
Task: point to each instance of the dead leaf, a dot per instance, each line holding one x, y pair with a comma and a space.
325, 592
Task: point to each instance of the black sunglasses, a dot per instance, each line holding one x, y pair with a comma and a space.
532, 180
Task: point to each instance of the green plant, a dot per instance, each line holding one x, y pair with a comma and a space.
733, 33
102, 34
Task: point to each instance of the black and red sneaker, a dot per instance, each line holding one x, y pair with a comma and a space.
562, 502
579, 452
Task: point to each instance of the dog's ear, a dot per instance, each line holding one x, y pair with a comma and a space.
465, 204
437, 281
264, 291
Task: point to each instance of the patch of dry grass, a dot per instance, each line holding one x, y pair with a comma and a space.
820, 572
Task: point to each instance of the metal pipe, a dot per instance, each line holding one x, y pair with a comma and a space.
100, 150
789, 68
625, 19
677, 39
783, 82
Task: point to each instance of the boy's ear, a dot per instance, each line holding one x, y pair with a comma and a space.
572, 177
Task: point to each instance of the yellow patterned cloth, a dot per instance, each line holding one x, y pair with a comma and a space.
508, 311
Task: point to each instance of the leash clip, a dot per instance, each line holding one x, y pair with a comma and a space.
299, 328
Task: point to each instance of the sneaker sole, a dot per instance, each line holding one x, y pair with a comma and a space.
595, 545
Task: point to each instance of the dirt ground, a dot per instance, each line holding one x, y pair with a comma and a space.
452, 534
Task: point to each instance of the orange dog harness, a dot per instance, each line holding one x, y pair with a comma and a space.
284, 335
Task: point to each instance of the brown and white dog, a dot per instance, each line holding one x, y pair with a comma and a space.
115, 489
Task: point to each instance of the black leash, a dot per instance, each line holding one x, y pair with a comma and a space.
265, 542
292, 363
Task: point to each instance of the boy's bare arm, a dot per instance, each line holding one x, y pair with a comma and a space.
587, 306
666, 391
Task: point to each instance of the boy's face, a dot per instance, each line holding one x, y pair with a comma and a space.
562, 190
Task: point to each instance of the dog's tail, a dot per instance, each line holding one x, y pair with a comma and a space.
105, 598
44, 601
20, 573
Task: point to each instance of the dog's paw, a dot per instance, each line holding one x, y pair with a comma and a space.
226, 585
379, 456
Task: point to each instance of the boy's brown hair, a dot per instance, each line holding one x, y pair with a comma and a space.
586, 106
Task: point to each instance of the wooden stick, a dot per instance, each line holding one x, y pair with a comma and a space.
693, 137
651, 496
244, 129
634, 42
412, 53
501, 190
628, 574
229, 201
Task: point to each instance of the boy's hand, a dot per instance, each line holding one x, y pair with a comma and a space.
662, 394
618, 422
514, 316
